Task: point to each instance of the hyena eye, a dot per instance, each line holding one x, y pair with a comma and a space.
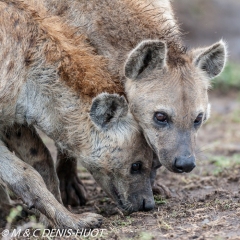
136, 167
161, 117
199, 119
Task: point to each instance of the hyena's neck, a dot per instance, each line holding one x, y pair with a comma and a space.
57, 111
116, 27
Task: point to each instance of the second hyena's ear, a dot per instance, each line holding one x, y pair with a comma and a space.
211, 59
148, 55
108, 109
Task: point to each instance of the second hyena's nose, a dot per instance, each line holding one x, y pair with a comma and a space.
184, 164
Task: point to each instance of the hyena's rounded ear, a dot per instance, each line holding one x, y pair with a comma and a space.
148, 55
211, 59
108, 109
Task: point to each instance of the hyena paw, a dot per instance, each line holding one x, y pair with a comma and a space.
80, 221
162, 190
73, 191
91, 220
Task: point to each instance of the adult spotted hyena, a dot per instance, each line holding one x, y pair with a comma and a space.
166, 84
49, 77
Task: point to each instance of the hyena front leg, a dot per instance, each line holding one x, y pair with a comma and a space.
27, 183
72, 189
29, 147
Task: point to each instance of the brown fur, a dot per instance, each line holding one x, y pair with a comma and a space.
79, 66
122, 25
142, 21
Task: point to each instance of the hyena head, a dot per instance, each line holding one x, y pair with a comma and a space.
120, 160
168, 97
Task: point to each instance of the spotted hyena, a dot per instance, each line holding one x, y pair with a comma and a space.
165, 83
51, 79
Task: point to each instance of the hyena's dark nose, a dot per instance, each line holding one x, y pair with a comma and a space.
148, 204
184, 164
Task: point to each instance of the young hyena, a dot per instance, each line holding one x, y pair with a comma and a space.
166, 84
51, 79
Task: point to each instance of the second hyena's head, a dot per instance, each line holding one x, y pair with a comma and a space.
120, 159
167, 92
